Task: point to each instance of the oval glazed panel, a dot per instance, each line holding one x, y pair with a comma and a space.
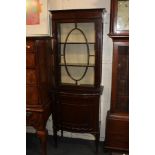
73, 55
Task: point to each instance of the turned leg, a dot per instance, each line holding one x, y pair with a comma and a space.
43, 140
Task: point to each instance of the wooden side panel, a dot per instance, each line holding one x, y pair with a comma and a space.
31, 76
117, 133
30, 60
38, 70
32, 95
30, 46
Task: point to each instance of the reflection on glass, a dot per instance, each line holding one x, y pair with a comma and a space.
123, 15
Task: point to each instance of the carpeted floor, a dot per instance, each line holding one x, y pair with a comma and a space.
66, 146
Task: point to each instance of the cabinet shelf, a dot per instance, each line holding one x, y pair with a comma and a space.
76, 43
90, 55
80, 85
77, 65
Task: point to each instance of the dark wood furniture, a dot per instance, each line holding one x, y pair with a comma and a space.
77, 47
117, 121
38, 85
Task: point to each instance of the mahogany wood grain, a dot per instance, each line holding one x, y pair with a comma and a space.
38, 85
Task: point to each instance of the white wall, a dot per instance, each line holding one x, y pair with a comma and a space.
106, 60
73, 4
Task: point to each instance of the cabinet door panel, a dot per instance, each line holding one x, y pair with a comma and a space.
120, 81
77, 53
78, 112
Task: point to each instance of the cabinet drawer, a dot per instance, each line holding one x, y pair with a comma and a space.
32, 95
30, 60
31, 76
30, 46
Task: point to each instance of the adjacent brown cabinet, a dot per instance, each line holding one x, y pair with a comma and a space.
38, 85
117, 122
77, 47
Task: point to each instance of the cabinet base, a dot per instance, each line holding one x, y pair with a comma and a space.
117, 132
77, 112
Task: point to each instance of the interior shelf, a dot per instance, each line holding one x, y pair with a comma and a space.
77, 65
76, 43
90, 55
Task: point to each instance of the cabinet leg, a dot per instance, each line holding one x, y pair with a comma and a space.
97, 141
55, 136
42, 135
61, 133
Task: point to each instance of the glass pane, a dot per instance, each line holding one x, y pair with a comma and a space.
87, 28
77, 53
65, 79
123, 15
64, 30
76, 73
89, 78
